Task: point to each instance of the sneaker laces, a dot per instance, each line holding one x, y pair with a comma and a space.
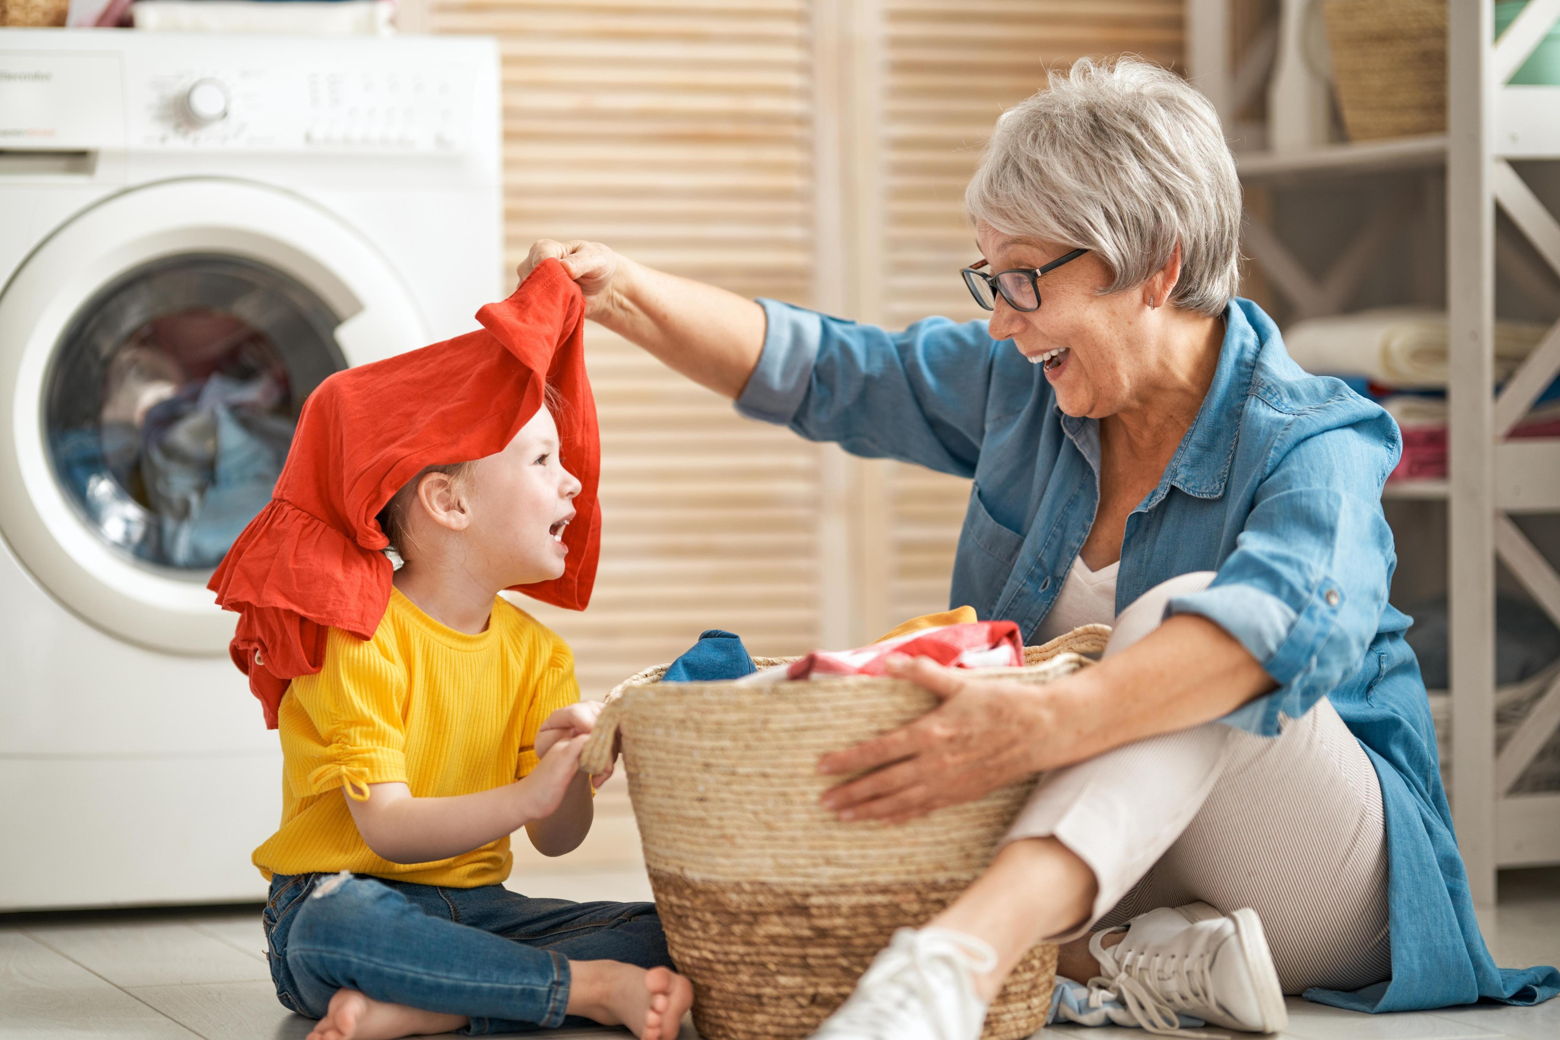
902, 985
1152, 986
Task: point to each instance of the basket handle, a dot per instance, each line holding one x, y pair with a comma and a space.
597, 754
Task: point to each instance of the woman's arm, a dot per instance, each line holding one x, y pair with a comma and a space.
991, 732
1289, 616
712, 336
402, 828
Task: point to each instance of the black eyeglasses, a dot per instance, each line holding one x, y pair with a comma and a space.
1020, 286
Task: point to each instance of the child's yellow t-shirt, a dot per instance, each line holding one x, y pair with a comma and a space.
442, 711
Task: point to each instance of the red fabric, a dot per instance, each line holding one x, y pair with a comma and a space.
974, 644
1426, 451
313, 559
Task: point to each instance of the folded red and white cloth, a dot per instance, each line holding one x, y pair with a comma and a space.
979, 644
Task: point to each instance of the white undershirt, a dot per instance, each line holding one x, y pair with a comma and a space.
1087, 598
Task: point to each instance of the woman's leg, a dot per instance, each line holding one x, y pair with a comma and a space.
1088, 833
1290, 826
1093, 831
1295, 831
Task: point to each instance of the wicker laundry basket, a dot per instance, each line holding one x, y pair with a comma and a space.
772, 907
1389, 66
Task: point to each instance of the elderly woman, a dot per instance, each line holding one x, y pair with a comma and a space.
1241, 800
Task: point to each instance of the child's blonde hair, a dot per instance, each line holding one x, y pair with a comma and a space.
392, 518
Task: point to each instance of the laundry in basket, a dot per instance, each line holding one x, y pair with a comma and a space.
772, 906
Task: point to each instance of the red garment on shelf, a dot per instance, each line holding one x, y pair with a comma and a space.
1426, 450
313, 559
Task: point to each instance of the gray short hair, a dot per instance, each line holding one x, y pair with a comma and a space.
1126, 159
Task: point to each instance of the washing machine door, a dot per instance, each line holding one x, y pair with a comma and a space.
155, 352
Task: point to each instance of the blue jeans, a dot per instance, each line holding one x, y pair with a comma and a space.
495, 956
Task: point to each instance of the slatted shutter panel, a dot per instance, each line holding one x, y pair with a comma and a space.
950, 70
680, 134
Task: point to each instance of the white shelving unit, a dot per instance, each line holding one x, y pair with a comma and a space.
1491, 124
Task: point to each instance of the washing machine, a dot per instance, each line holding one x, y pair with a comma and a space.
194, 231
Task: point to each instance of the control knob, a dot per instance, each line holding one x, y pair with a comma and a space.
205, 102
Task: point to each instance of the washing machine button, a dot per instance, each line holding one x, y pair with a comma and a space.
206, 102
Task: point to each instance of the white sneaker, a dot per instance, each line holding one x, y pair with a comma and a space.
1192, 959
922, 987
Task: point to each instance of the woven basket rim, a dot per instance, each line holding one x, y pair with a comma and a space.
1068, 652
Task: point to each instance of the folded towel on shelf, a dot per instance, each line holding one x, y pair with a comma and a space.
1420, 410
1400, 346
1426, 447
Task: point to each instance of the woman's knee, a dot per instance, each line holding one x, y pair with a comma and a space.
1145, 613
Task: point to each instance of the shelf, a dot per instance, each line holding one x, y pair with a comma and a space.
1525, 128
1417, 490
1525, 123
1527, 475
1403, 153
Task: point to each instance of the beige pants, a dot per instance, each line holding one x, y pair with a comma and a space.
1290, 826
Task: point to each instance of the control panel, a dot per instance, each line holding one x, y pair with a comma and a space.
362, 109
168, 91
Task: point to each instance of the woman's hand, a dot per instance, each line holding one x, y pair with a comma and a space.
573, 720
987, 733
591, 264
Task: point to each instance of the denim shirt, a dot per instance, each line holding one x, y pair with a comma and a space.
1276, 487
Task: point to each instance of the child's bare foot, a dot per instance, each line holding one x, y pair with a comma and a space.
651, 1003
353, 1016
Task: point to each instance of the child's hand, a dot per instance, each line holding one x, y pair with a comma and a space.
544, 787
571, 721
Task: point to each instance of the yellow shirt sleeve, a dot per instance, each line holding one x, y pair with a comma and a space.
556, 687
346, 727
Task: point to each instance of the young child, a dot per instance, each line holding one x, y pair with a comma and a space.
423, 718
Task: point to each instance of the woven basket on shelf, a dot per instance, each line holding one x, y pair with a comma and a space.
1389, 66
772, 907
33, 13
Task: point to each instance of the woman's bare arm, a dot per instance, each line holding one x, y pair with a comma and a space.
991, 732
710, 335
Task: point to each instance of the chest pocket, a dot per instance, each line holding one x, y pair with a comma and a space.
987, 551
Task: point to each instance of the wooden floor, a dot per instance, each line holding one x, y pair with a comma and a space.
187, 973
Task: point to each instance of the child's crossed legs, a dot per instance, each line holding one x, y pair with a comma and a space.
378, 958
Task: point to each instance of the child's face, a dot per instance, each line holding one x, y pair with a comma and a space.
521, 499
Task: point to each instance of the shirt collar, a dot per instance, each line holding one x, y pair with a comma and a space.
1201, 464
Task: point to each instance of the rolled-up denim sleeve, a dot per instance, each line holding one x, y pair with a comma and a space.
1307, 582
920, 395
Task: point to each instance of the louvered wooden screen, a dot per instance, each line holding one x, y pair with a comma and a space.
680, 134
686, 134
950, 69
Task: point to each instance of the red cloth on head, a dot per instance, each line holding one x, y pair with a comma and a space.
313, 559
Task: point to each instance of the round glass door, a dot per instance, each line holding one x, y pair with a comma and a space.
155, 350
172, 399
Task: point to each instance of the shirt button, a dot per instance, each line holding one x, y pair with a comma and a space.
1332, 597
